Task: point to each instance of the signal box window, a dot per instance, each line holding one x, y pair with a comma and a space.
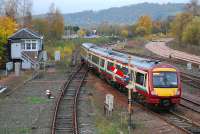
140, 79
28, 46
33, 45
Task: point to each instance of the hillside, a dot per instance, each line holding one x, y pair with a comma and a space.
124, 15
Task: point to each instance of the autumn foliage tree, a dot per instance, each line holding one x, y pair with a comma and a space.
7, 27
191, 34
81, 32
124, 33
40, 25
144, 25
55, 23
179, 24
156, 27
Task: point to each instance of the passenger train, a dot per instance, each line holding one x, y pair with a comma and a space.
151, 81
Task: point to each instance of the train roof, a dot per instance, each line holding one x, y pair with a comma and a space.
136, 61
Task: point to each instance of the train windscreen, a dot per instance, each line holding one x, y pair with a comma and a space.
165, 80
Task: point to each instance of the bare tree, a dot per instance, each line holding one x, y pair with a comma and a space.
11, 8
194, 7
55, 23
25, 11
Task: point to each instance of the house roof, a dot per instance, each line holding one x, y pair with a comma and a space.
25, 33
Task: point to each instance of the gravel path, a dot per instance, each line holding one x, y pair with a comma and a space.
160, 48
28, 110
145, 122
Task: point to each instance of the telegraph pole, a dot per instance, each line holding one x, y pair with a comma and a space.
129, 97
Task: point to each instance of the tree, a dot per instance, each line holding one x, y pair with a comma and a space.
81, 32
179, 24
144, 25
141, 31
55, 23
25, 11
191, 34
40, 25
193, 7
7, 27
11, 9
156, 27
124, 33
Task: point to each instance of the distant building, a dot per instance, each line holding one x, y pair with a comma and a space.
26, 47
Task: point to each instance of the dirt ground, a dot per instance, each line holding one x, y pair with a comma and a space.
28, 110
145, 123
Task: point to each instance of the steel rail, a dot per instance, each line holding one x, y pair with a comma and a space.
75, 115
61, 95
194, 106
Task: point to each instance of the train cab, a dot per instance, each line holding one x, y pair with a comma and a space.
165, 86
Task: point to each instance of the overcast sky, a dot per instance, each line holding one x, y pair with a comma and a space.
71, 6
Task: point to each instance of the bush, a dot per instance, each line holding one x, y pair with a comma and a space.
191, 34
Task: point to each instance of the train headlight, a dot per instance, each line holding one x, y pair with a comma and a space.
153, 93
178, 92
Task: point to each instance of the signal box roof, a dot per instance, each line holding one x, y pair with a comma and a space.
25, 33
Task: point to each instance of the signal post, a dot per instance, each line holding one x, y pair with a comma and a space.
130, 86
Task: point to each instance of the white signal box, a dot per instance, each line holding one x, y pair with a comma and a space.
57, 55
109, 102
189, 66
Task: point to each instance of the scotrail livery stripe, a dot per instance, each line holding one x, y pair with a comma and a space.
165, 91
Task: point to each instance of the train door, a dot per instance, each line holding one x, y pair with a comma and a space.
140, 81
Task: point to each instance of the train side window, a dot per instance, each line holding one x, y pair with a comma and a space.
89, 56
125, 70
140, 79
109, 65
118, 67
102, 62
95, 59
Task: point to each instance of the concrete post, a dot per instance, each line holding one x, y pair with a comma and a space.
57, 56
17, 69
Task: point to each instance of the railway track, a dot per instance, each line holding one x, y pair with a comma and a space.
172, 118
181, 122
65, 118
191, 80
190, 104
